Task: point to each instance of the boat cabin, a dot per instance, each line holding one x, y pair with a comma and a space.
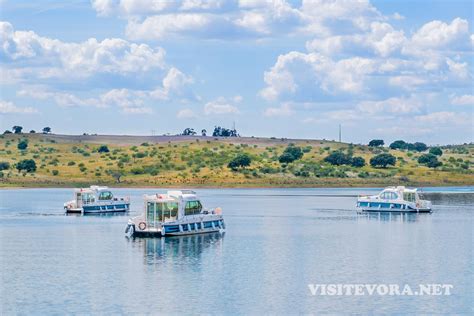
399, 193
162, 208
92, 195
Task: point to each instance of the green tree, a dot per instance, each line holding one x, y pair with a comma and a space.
290, 154
240, 161
22, 144
382, 160
429, 160
32, 131
17, 129
103, 149
376, 142
46, 130
357, 162
398, 144
4, 165
436, 151
338, 158
420, 146
28, 165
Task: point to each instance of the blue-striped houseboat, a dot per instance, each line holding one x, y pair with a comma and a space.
394, 199
96, 199
173, 214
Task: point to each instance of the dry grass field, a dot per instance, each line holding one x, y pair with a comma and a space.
195, 161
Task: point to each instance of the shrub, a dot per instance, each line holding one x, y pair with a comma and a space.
4, 165
139, 155
55, 172
240, 161
22, 144
103, 149
27, 165
382, 160
71, 163
436, 151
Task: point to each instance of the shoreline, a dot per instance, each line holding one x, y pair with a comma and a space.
367, 186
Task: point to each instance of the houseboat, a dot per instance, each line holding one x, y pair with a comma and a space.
173, 214
394, 199
96, 199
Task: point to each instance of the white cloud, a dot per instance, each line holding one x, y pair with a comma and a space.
466, 99
152, 19
55, 58
306, 73
444, 117
394, 105
186, 114
7, 107
440, 35
174, 84
220, 106
283, 110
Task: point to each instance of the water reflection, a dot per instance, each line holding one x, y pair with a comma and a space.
390, 216
111, 214
181, 248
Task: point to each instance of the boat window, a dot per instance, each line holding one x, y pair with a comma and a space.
166, 211
394, 196
192, 207
106, 195
385, 195
150, 213
88, 198
409, 196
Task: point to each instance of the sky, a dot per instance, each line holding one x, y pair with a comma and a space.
297, 69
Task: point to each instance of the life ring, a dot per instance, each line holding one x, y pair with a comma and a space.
142, 225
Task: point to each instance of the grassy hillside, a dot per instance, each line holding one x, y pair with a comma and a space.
188, 161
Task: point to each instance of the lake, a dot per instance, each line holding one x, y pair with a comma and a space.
277, 243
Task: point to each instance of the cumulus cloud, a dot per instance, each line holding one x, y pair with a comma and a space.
229, 19
185, 114
373, 62
54, 58
7, 107
441, 35
401, 105
220, 106
466, 99
283, 110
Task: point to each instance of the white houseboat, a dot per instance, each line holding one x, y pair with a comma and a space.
394, 199
96, 199
173, 214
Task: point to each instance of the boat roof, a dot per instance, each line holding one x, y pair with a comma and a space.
93, 188
172, 196
401, 189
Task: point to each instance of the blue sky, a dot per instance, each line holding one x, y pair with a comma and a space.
382, 69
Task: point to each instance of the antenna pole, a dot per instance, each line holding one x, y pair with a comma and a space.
339, 132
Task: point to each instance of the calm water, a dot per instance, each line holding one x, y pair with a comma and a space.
277, 242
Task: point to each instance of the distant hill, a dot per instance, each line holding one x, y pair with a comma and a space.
197, 161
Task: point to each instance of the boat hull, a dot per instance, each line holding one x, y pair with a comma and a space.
391, 210
393, 207
100, 209
177, 229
